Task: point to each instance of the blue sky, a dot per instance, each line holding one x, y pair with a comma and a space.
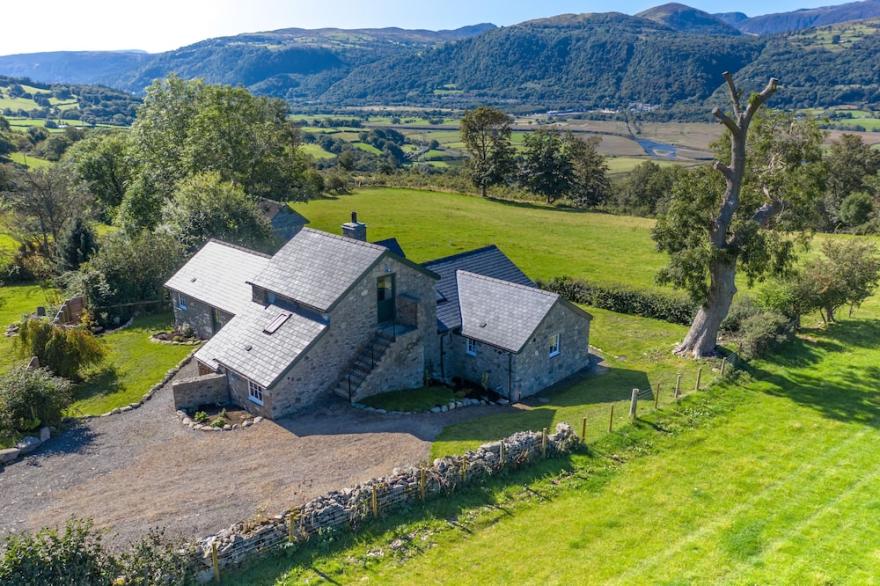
159, 25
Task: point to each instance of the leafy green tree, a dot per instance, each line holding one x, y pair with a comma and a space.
141, 206
7, 145
485, 133
62, 350
31, 398
741, 216
205, 206
590, 185
76, 245
546, 168
103, 163
644, 190
856, 209
847, 273
850, 162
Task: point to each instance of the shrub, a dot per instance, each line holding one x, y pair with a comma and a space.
78, 556
761, 333
661, 306
32, 398
200, 417
64, 351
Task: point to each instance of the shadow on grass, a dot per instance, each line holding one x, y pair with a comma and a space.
269, 569
842, 391
101, 382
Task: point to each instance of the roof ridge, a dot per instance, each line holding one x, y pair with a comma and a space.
509, 283
458, 255
236, 247
345, 239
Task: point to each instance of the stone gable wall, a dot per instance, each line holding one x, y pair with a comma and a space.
534, 369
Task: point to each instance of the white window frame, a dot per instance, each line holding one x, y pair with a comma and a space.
182, 303
556, 345
470, 347
255, 392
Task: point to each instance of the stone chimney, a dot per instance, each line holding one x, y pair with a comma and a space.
355, 229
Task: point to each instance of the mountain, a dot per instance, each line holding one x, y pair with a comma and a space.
734, 19
290, 63
685, 19
770, 24
90, 67
585, 60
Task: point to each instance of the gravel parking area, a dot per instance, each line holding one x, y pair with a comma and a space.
143, 469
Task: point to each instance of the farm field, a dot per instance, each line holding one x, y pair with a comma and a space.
768, 478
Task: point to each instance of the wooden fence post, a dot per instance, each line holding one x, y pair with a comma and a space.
215, 561
291, 525
699, 376
723, 365
584, 430
634, 405
544, 442
422, 482
374, 502
677, 394
657, 397
611, 419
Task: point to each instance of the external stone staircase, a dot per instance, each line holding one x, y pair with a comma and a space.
363, 364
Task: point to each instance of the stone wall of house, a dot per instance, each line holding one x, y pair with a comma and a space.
492, 362
197, 315
240, 395
534, 369
402, 367
208, 389
353, 322
348, 509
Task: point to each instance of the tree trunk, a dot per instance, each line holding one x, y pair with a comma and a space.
483, 190
702, 338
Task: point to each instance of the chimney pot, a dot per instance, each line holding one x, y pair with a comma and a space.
354, 217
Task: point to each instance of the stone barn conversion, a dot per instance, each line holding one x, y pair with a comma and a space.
332, 314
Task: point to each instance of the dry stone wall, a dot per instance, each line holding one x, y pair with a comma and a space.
349, 508
211, 389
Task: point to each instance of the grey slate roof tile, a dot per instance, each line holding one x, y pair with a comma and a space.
316, 268
270, 355
218, 274
488, 261
501, 313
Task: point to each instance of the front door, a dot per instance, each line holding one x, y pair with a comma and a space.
385, 298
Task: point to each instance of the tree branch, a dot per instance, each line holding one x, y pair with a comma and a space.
723, 169
726, 120
758, 100
734, 94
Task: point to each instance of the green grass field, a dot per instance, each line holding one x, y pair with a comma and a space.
316, 151
16, 301
29, 161
133, 364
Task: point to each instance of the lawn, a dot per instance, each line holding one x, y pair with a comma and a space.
16, 301
132, 366
411, 400
546, 242
30, 161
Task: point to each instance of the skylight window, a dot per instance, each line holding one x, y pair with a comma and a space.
276, 323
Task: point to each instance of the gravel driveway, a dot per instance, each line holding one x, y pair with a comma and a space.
143, 469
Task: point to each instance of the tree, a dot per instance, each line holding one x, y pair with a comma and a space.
103, 163
847, 274
204, 206
546, 167
41, 202
63, 350
485, 133
769, 188
7, 145
856, 209
76, 245
590, 185
141, 206
850, 162
644, 190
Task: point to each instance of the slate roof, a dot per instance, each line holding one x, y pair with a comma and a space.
501, 313
243, 345
218, 274
316, 268
393, 245
488, 261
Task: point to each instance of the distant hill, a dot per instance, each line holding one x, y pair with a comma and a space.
289, 63
770, 24
685, 19
22, 99
732, 18
586, 60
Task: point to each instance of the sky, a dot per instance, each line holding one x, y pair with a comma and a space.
161, 25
